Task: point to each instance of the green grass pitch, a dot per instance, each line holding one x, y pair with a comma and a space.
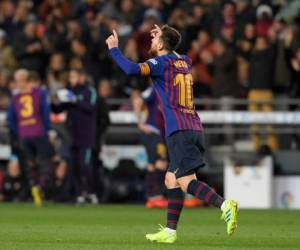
22, 226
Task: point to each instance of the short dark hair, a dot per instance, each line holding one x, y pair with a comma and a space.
170, 37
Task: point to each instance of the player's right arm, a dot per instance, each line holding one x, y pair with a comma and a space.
138, 104
129, 67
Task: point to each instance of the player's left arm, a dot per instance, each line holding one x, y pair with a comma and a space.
129, 67
138, 104
45, 106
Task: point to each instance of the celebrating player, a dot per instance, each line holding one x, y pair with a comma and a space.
173, 83
151, 126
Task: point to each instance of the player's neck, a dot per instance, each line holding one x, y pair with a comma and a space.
163, 52
26, 90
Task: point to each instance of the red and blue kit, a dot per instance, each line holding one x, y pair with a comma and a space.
154, 117
173, 84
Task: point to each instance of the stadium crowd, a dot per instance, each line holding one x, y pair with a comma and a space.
240, 49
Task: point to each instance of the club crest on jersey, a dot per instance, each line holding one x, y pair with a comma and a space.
153, 61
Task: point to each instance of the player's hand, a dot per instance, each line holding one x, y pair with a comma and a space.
144, 128
156, 31
113, 41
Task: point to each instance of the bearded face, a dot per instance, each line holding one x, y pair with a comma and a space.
156, 44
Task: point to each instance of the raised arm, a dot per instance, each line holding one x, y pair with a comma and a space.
129, 67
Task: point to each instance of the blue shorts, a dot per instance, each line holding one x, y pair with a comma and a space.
155, 147
38, 148
186, 152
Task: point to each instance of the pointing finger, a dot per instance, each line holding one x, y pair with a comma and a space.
156, 26
115, 34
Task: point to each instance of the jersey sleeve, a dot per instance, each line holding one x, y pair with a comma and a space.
152, 67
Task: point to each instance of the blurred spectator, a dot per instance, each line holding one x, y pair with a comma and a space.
81, 53
7, 59
262, 67
277, 35
59, 184
180, 20
244, 48
56, 75
127, 11
245, 14
292, 54
102, 123
104, 92
15, 187
15, 16
81, 107
226, 85
294, 65
227, 35
105, 88
49, 6
261, 70
56, 63
264, 15
201, 18
202, 53
54, 33
4, 91
226, 20
35, 79
28, 49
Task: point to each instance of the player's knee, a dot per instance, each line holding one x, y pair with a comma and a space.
185, 181
184, 187
170, 181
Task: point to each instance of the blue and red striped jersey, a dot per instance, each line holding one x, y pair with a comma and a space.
173, 83
154, 116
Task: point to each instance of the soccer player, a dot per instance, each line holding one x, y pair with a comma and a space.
173, 82
29, 121
150, 122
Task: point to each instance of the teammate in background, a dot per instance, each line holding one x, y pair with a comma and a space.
173, 84
28, 119
80, 102
150, 123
